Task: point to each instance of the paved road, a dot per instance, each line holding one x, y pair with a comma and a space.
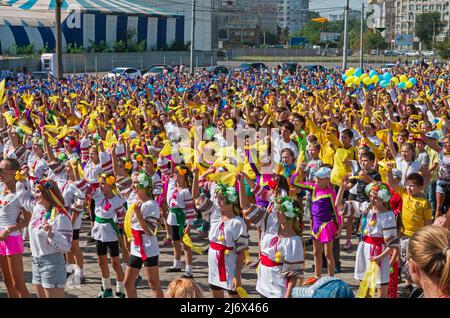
93, 278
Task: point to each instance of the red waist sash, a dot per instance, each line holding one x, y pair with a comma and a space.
266, 261
221, 259
377, 242
137, 235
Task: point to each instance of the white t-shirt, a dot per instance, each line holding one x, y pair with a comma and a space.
406, 168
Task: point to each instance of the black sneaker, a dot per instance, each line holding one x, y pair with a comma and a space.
405, 292
187, 275
120, 295
173, 270
90, 241
108, 293
138, 281
82, 280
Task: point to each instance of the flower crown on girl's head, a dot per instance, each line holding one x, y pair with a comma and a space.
382, 190
144, 180
286, 206
110, 180
128, 165
228, 192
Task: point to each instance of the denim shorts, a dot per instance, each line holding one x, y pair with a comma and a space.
49, 270
442, 186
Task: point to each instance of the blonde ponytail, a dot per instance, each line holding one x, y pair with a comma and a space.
429, 248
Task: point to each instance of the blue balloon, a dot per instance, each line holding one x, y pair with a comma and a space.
401, 85
387, 76
413, 80
358, 72
344, 77
372, 73
384, 83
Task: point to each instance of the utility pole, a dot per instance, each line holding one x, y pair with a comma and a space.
434, 32
58, 74
242, 30
361, 39
344, 59
264, 35
192, 37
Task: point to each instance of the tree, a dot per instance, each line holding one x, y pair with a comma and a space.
427, 25
443, 49
374, 41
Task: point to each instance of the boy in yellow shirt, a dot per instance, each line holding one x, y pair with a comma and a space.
416, 213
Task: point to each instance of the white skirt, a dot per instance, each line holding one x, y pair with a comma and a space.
362, 263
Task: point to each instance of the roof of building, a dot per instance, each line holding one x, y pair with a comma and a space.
41, 12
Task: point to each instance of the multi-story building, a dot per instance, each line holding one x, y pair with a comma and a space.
406, 12
237, 24
293, 14
352, 15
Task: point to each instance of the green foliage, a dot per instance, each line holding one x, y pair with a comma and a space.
374, 40
73, 48
120, 46
100, 47
24, 50
443, 49
426, 25
43, 50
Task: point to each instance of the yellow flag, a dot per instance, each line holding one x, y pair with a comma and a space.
26, 129
242, 292
110, 139
339, 170
167, 149
9, 118
127, 222
369, 281
2, 92
188, 242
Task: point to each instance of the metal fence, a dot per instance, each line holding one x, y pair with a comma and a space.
104, 62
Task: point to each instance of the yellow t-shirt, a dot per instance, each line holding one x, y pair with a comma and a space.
415, 211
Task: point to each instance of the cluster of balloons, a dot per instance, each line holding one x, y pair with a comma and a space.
356, 77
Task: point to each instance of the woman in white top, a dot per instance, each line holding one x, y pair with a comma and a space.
228, 238
281, 244
50, 232
11, 243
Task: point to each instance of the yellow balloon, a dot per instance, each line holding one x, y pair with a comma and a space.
364, 76
351, 70
409, 84
357, 80
350, 80
395, 80
376, 79
403, 78
367, 81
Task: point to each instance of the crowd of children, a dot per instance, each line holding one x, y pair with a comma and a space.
299, 157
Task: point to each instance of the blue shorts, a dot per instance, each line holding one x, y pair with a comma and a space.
49, 270
442, 186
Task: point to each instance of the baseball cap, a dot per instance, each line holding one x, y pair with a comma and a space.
325, 287
323, 173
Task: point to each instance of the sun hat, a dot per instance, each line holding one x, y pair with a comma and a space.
323, 173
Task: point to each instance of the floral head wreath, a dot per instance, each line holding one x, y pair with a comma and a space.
128, 165
228, 192
286, 206
382, 190
110, 180
144, 180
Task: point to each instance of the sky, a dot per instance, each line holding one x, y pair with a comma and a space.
321, 4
